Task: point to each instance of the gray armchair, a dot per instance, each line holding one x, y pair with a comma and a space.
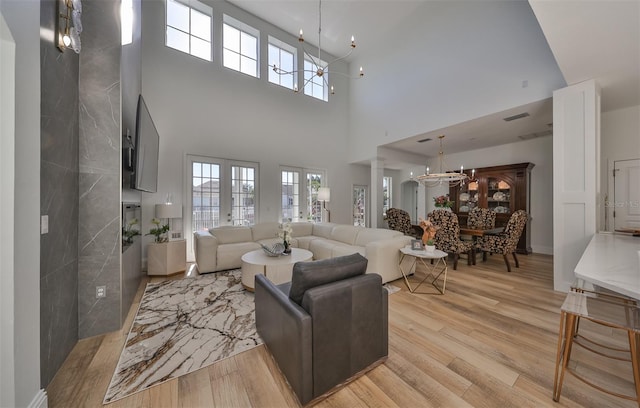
326, 326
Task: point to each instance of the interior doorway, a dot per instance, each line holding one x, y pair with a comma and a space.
626, 193
409, 199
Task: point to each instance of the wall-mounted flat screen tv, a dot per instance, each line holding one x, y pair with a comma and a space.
147, 144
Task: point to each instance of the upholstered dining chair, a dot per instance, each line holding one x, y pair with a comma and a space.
506, 242
481, 218
447, 237
399, 220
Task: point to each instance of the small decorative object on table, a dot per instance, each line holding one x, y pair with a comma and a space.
429, 230
442, 201
285, 236
159, 231
276, 250
430, 246
416, 245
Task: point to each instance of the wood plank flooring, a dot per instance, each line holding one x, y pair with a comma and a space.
490, 341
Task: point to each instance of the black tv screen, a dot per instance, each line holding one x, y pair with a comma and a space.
147, 144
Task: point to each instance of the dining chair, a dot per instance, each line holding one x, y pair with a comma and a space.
506, 242
399, 220
481, 218
447, 237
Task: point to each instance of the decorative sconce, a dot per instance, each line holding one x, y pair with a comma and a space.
69, 24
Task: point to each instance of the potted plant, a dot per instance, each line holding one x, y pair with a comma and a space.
158, 231
430, 246
128, 232
285, 236
442, 201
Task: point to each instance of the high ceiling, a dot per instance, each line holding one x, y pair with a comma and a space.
597, 39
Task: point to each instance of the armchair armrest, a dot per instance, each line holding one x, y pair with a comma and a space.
205, 248
285, 328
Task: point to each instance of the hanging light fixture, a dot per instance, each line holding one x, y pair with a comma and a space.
430, 179
321, 70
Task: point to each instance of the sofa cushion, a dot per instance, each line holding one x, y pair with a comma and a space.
301, 229
305, 242
229, 255
323, 229
342, 250
368, 235
307, 275
322, 248
231, 235
265, 230
345, 233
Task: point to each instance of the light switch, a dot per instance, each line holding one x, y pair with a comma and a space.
44, 224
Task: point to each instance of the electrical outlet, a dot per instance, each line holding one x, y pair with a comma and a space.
101, 291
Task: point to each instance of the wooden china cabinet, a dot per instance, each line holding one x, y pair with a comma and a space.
503, 189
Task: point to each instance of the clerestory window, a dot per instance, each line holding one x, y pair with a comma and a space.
188, 27
240, 47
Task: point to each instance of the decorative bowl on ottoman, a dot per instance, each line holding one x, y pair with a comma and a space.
275, 250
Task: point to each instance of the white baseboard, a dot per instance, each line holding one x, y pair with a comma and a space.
40, 400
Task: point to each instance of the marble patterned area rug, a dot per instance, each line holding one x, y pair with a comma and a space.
182, 326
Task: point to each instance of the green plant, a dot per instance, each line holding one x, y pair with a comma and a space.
442, 201
430, 242
159, 230
128, 232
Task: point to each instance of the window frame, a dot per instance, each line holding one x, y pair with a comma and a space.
282, 46
200, 8
315, 62
308, 205
246, 29
387, 181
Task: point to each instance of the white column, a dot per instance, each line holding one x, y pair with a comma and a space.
377, 174
576, 139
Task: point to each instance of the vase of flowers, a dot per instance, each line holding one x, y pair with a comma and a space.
442, 201
285, 235
158, 231
429, 231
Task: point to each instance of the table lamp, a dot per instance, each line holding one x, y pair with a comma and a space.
169, 211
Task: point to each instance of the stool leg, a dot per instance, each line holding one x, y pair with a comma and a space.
556, 394
569, 332
634, 343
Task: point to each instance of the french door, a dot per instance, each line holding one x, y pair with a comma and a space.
221, 192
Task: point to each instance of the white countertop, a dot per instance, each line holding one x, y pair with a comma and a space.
612, 261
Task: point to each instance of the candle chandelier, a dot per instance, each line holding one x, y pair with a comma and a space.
320, 70
429, 179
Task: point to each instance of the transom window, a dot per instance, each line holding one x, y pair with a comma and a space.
314, 85
240, 46
188, 27
283, 56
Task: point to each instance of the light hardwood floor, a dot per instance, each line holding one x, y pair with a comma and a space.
490, 341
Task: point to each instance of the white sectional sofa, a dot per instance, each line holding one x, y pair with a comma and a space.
221, 248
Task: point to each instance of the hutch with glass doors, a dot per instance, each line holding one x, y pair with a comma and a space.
503, 189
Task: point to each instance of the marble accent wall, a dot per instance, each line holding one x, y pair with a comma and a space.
99, 223
58, 198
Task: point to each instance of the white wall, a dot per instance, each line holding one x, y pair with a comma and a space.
23, 20
537, 151
203, 108
469, 60
620, 140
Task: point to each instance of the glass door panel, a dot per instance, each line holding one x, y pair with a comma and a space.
498, 195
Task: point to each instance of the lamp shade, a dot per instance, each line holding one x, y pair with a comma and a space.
324, 194
168, 211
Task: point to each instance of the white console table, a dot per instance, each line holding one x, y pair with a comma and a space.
612, 261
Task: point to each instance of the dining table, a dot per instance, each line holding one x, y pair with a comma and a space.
476, 233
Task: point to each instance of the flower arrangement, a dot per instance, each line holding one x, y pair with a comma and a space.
285, 235
158, 231
128, 232
429, 231
442, 201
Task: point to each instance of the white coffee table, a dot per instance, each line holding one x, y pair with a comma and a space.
433, 271
277, 269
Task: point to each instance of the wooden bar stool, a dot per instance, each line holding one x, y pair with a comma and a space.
607, 310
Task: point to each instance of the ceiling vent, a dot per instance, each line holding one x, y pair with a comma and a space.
518, 116
424, 140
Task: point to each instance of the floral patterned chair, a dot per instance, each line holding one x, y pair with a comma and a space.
506, 242
399, 220
481, 218
447, 237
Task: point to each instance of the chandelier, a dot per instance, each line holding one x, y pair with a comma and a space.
429, 179
321, 71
